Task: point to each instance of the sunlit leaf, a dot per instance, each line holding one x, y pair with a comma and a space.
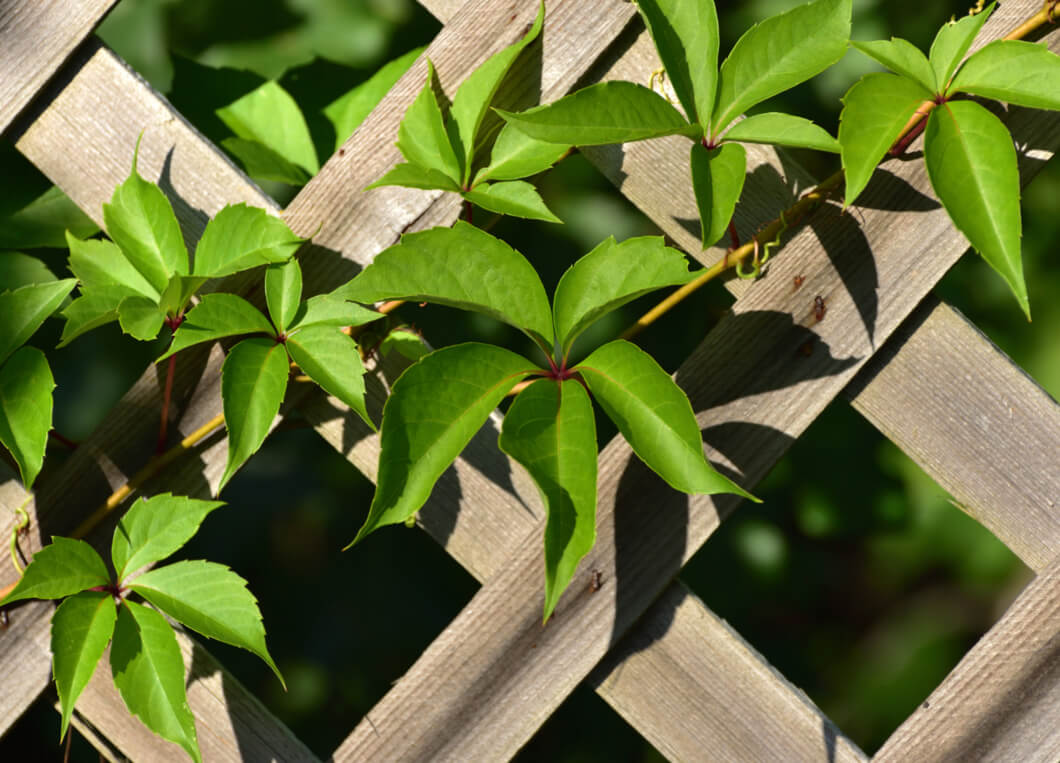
23, 310
270, 116
140, 317
92, 310
331, 310
283, 292
902, 57
1023, 73
952, 42
516, 155
414, 176
98, 262
717, 179
241, 237
81, 629
26, 386
156, 528
405, 343
331, 359
422, 138
782, 130
62, 568
215, 317
512, 197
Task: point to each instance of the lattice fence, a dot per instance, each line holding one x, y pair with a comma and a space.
911, 365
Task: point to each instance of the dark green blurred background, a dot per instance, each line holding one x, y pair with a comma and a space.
856, 577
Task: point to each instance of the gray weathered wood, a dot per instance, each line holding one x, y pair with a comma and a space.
1002, 701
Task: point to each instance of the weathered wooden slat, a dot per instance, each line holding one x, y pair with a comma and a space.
35, 39
1002, 701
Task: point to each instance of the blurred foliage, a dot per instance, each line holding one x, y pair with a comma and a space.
856, 577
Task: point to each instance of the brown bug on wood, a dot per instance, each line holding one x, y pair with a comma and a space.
819, 308
798, 282
596, 580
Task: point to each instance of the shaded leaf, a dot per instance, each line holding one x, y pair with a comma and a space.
263, 163
23, 310
210, 599
903, 57
241, 237
422, 138
253, 382
148, 670
875, 110
405, 343
155, 528
717, 179
609, 112
269, 115
654, 416
973, 168
98, 262
81, 629
1023, 73
215, 317
433, 411
608, 277
44, 222
414, 176
952, 42
283, 292
550, 430
516, 155
18, 269
331, 310
782, 130
140, 317
512, 197
62, 568
331, 359
26, 386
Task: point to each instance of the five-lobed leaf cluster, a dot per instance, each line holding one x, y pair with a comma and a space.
145, 657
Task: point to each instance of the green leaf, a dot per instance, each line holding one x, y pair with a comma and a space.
98, 262
422, 138
23, 310
253, 382
1023, 73
717, 179
81, 628
210, 599
261, 162
952, 42
875, 110
178, 294
148, 670
474, 95
330, 358
516, 155
778, 54
155, 528
348, 111
414, 176
512, 197
92, 310
903, 57
62, 568
215, 317
460, 267
433, 411
270, 116
26, 386
782, 130
405, 343
686, 36
550, 430
283, 292
973, 168
608, 112
140, 219
331, 310
18, 269
44, 222
140, 317
608, 277
242, 237
654, 416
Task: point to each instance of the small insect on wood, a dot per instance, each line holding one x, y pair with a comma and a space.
797, 281
819, 308
596, 580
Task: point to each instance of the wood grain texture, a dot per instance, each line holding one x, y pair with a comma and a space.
1002, 701
35, 39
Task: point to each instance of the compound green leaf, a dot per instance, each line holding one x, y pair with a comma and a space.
62, 568
474, 95
608, 277
91, 310
269, 115
782, 130
241, 237
331, 310
414, 176
283, 292
512, 197
875, 110
98, 262
148, 670
155, 528
654, 416
331, 359
211, 599
81, 629
23, 310
608, 112
516, 155
1023, 73
253, 382
348, 111
26, 386
779, 53
140, 317
952, 42
263, 163
44, 222
550, 430
903, 57
461, 267
433, 411
422, 138
140, 220
215, 317
973, 168
717, 179
18, 269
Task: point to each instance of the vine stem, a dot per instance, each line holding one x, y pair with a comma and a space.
166, 394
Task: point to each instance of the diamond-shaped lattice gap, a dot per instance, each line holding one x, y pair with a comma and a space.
855, 577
